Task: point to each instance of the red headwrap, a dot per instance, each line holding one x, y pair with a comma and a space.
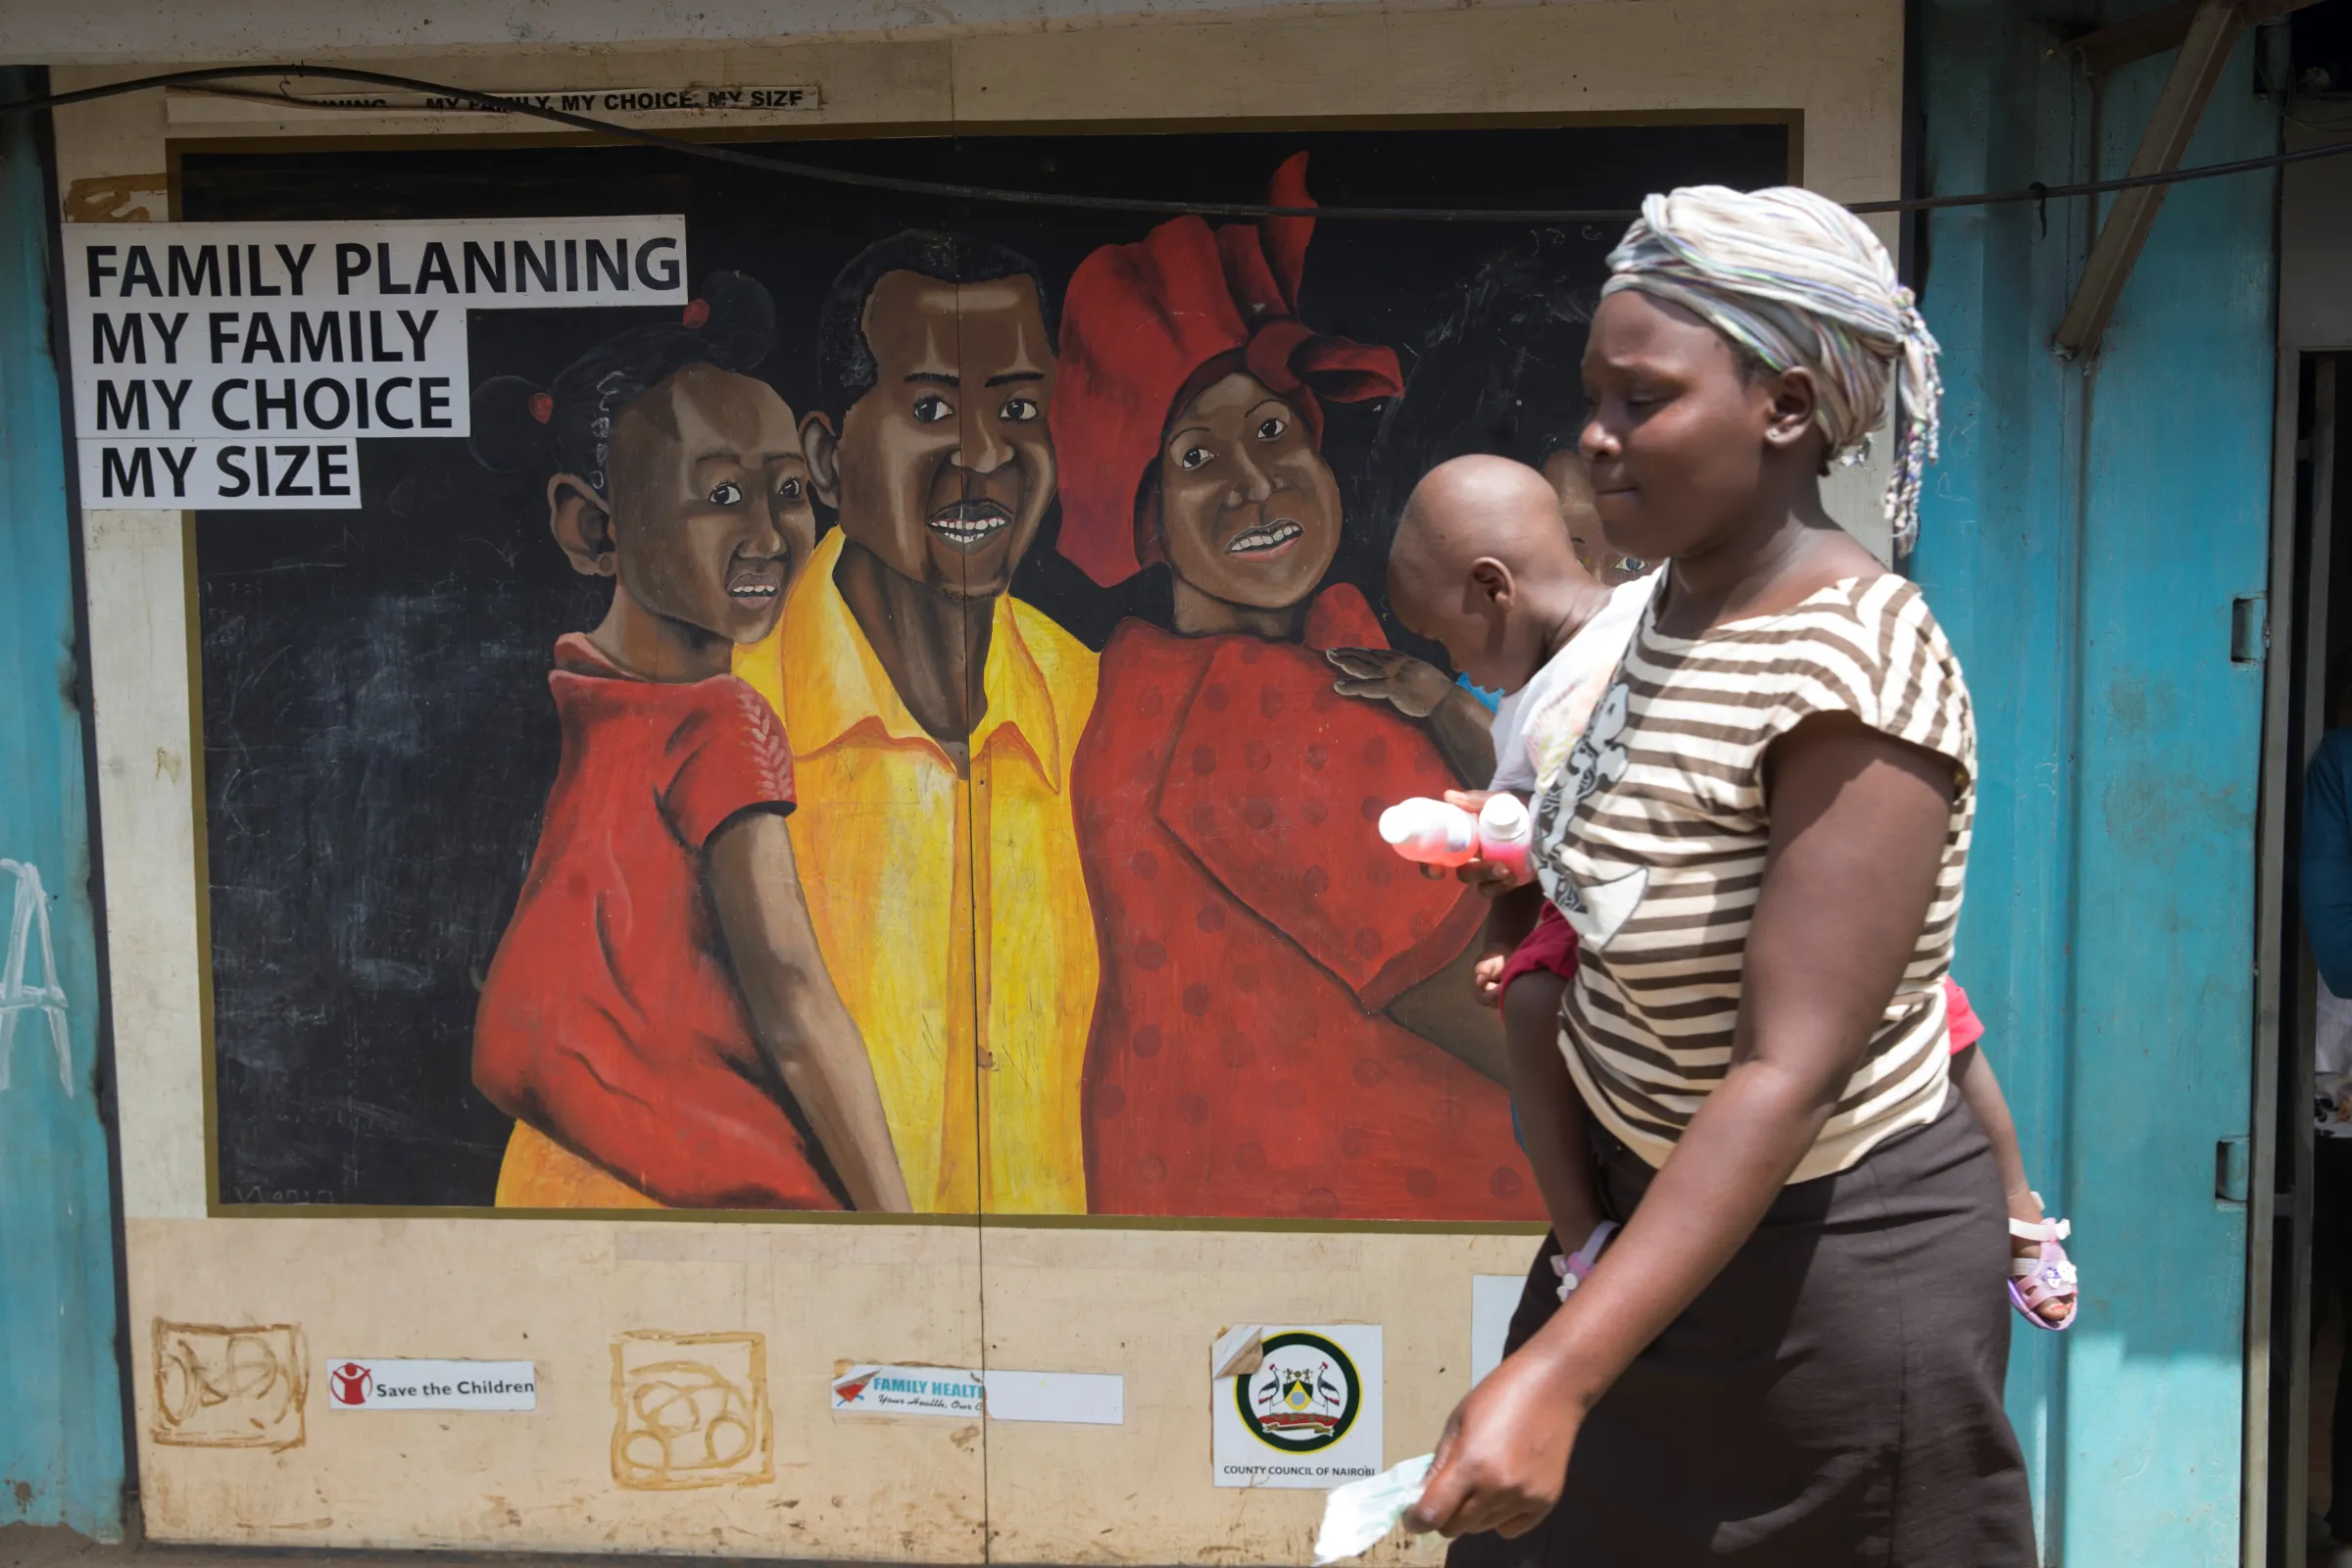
1139, 322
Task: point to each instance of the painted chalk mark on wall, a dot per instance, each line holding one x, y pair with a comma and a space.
691, 1410
229, 1387
31, 918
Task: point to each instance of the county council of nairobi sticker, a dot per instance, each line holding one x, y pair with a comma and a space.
1304, 1395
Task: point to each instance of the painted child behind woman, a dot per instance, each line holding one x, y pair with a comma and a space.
658, 1017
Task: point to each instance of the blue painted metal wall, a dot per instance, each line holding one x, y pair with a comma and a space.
61, 1441
2086, 533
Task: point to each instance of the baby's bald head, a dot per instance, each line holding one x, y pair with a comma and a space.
1481, 556
1477, 507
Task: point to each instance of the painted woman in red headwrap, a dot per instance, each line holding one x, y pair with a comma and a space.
1258, 941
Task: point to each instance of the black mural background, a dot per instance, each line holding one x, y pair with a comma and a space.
377, 735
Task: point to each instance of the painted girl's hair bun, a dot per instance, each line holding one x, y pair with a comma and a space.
568, 427
738, 325
511, 430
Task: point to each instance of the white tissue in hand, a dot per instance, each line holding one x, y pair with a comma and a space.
1357, 1515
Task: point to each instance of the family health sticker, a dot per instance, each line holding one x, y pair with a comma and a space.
360, 1384
908, 1391
1307, 1415
1080, 1398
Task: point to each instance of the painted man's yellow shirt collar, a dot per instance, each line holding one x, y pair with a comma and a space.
833, 683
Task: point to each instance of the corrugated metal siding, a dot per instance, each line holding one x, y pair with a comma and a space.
61, 1432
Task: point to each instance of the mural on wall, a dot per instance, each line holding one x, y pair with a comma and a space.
951, 784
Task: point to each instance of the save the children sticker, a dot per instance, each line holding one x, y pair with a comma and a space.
376, 1384
1307, 1415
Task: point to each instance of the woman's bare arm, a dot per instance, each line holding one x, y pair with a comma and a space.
1858, 826
802, 1026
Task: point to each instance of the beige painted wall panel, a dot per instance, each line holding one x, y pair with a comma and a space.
128, 30
111, 160
1150, 1304
860, 85
1142, 1303
556, 1294
1840, 62
146, 811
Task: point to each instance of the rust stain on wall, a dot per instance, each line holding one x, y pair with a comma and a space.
119, 199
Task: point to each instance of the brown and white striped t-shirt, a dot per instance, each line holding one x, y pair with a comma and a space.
1652, 839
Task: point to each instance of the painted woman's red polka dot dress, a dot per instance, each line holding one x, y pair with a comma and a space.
1253, 925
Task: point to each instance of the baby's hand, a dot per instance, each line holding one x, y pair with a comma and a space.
1412, 686
1486, 978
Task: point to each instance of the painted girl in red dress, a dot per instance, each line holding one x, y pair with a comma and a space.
1258, 941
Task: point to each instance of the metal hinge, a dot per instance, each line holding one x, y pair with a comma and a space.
2232, 1167
2250, 629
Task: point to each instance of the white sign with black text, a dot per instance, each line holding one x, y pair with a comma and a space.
364, 1383
286, 101
240, 365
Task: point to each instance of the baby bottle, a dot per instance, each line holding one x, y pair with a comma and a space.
1507, 834
1430, 832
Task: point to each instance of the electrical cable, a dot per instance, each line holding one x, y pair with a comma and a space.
2035, 193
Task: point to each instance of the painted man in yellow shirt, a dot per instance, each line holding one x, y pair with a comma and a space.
932, 718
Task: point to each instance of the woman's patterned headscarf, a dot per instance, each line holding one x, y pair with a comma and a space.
1795, 280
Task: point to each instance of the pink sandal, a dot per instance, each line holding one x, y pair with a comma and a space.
1572, 1267
2049, 1277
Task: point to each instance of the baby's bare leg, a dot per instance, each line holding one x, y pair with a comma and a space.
1974, 1076
1552, 1113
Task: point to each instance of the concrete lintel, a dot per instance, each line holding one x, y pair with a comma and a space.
122, 32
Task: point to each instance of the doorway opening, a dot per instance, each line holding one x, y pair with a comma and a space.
2308, 1278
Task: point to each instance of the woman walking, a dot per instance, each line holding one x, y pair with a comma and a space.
1793, 1351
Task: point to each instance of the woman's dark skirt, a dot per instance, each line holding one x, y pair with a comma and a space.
1833, 1398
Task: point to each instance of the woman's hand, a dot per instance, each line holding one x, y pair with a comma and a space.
1488, 877
1503, 1457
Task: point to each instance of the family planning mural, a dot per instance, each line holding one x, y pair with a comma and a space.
897, 722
